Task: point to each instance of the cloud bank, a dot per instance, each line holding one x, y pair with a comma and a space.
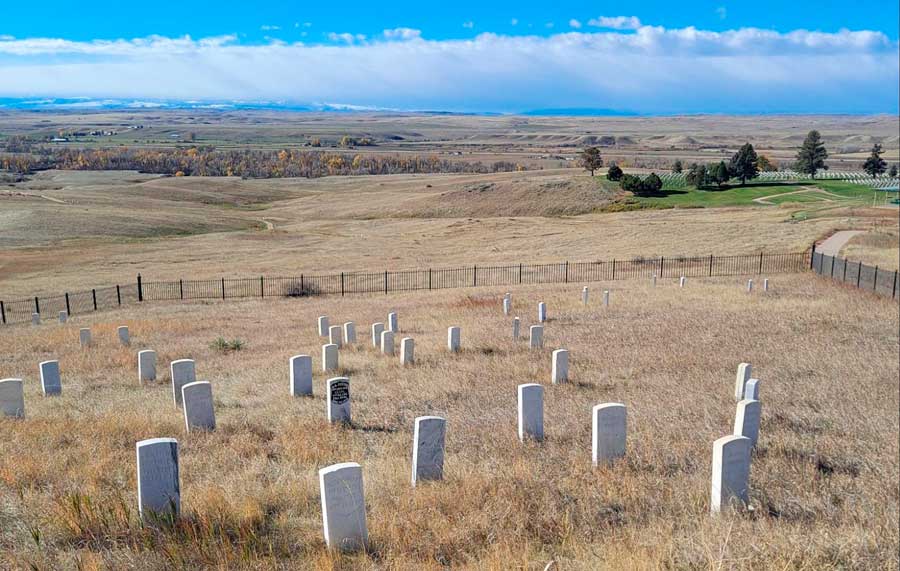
650, 69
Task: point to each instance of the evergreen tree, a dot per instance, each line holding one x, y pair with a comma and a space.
893, 172
590, 159
875, 165
745, 164
614, 173
812, 154
720, 174
677, 167
696, 176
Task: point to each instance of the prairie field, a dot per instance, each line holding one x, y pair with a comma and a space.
823, 484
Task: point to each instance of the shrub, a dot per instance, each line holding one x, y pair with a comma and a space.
222, 345
614, 173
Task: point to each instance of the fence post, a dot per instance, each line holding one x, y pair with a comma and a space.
875, 280
710, 264
140, 288
567, 271
302, 288
385, 282
223, 288
181, 289
812, 256
118, 294
342, 284
3, 312
844, 278
429, 278
760, 262
94, 295
614, 269
894, 291
520, 274
262, 287
68, 310
832, 267
37, 305
858, 273
660, 266
474, 276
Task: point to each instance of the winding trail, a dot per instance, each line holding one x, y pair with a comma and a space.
832, 245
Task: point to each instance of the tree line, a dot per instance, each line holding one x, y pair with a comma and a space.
207, 161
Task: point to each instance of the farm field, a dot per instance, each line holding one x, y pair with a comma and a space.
250, 495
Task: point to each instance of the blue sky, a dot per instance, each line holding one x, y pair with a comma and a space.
651, 57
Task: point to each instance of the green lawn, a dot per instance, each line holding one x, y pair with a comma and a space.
737, 195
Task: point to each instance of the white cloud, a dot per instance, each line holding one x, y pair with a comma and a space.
652, 69
402, 34
616, 22
574, 23
470, 24
269, 28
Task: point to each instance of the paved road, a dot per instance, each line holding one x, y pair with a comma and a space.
832, 246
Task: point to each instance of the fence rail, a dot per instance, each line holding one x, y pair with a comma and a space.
20, 311
858, 274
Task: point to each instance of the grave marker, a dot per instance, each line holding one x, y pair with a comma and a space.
199, 412
743, 375
531, 411
584, 295
63, 316
182, 372
35, 318
746, 420
536, 337
428, 448
750, 286
146, 365
506, 306
766, 285
124, 338
392, 324
50, 379
453, 334
407, 350
542, 312
654, 280
377, 329
84, 337
560, 372
323, 326
516, 324
338, 398
606, 297
387, 342
329, 357
12, 398
335, 335
610, 425
159, 487
681, 281
350, 333
751, 390
343, 506
301, 375
730, 472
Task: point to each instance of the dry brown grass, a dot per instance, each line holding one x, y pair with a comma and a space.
824, 479
880, 247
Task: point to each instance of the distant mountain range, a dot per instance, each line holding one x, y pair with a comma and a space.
96, 104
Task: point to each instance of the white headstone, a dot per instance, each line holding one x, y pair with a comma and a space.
349, 333
159, 487
506, 306
743, 375
766, 285
428, 448
199, 412
749, 286
84, 337
746, 420
146, 365
751, 390
606, 297
392, 324
584, 295
542, 312
335, 336
182, 372
50, 380
323, 326
610, 426
12, 398
301, 375
35, 318
63, 316
560, 373
407, 351
516, 324
536, 336
730, 472
338, 397
329, 357
387, 342
124, 338
531, 411
654, 280
343, 507
453, 334
681, 281
377, 330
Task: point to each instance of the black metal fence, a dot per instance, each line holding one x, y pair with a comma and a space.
856, 274
20, 311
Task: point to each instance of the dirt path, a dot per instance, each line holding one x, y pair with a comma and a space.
827, 196
833, 244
